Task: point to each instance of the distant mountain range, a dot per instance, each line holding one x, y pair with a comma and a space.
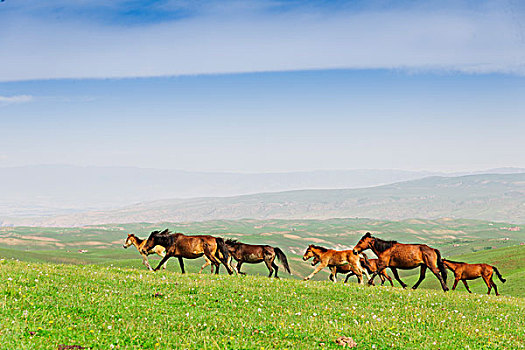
495, 197
61, 189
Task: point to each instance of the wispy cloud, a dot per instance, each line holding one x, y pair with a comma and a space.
6, 100
178, 38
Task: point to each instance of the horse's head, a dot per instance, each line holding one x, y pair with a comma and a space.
232, 245
309, 252
129, 240
448, 264
364, 243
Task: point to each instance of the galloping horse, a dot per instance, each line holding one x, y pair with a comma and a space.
332, 259
139, 243
463, 272
254, 254
189, 247
404, 256
369, 264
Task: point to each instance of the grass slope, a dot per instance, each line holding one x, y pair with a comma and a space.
45, 306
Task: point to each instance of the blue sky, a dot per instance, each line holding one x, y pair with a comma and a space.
263, 85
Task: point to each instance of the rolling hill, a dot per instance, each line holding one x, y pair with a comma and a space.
49, 306
496, 197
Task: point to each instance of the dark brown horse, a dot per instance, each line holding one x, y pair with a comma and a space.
189, 247
369, 264
254, 254
404, 256
463, 272
333, 259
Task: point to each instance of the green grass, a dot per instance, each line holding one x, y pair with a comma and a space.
45, 305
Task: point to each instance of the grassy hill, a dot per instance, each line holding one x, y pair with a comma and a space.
47, 306
496, 197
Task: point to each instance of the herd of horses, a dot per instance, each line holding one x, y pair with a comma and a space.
390, 254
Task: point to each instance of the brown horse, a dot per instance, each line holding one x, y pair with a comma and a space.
404, 256
254, 254
332, 259
463, 272
189, 247
369, 264
139, 243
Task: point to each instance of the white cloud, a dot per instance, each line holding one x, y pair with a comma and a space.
6, 100
489, 40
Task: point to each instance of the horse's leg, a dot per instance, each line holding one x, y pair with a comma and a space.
146, 262
436, 272
232, 266
348, 276
274, 265
269, 266
466, 286
494, 285
422, 273
365, 271
181, 263
396, 276
487, 282
239, 264
162, 262
207, 262
455, 283
211, 256
333, 274
387, 277
317, 269
162, 255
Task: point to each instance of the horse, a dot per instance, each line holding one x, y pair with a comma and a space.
332, 259
254, 254
404, 256
369, 264
139, 243
189, 247
463, 272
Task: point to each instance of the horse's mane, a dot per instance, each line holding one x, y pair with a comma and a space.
158, 232
163, 238
381, 245
231, 241
323, 249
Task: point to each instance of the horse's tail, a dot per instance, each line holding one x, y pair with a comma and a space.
223, 249
441, 266
499, 274
282, 259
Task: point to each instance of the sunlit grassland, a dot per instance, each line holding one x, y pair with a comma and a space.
47, 305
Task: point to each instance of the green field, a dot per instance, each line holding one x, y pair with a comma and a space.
45, 306
55, 296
